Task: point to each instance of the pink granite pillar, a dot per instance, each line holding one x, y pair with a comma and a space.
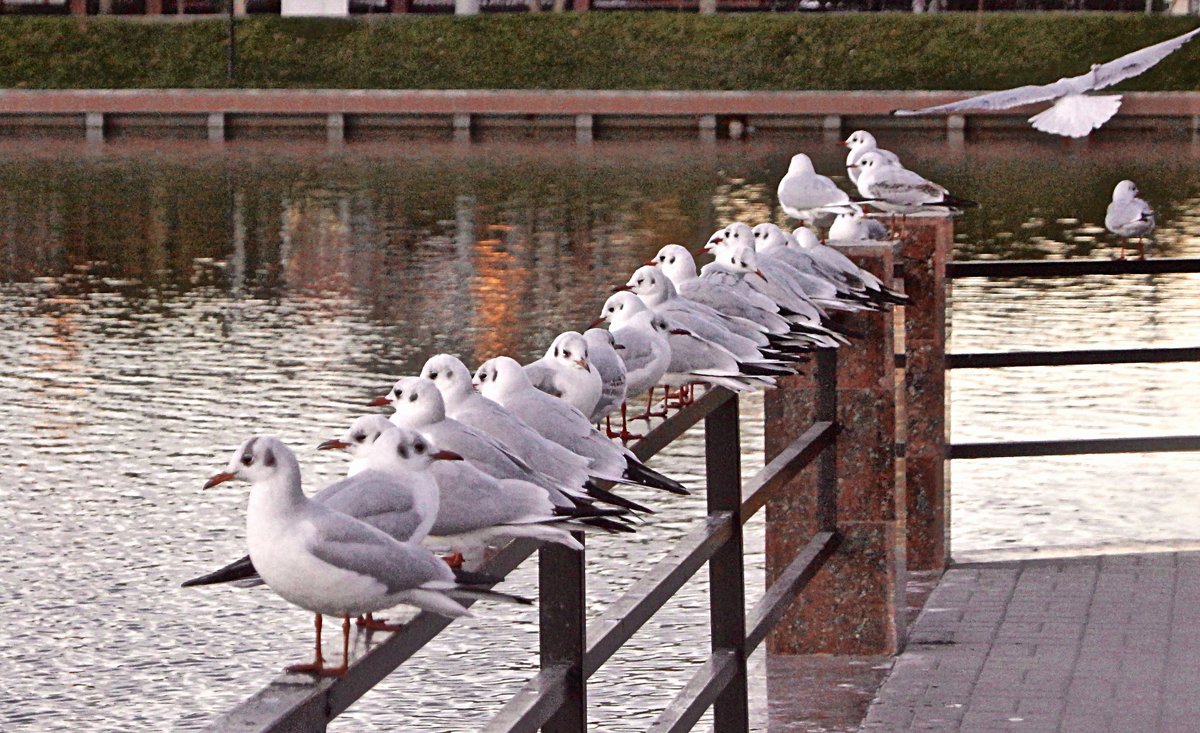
854, 603
927, 476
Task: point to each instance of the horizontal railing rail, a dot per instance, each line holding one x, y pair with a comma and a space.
1070, 268
1079, 357
1087, 446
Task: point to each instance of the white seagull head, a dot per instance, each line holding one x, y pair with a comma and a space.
501, 375
417, 401
570, 350
360, 436
1125, 191
262, 460
451, 376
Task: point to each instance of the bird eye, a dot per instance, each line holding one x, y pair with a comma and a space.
247, 459
433, 375
399, 393
359, 437
483, 376
419, 447
567, 354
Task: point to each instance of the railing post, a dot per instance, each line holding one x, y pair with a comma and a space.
926, 466
562, 627
854, 604
726, 576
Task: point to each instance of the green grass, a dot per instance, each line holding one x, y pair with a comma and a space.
592, 51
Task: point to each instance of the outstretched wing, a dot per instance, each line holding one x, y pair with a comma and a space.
995, 100
1132, 64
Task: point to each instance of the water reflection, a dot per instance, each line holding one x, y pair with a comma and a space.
158, 306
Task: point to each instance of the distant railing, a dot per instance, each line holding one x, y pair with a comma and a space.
572, 649
998, 360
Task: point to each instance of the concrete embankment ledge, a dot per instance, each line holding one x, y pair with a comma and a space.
341, 114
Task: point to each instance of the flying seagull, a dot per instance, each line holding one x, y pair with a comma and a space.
1073, 114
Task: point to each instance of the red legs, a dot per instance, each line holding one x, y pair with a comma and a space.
317, 666
1141, 249
371, 623
454, 559
649, 413
624, 435
318, 662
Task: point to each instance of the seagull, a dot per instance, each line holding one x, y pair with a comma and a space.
565, 372
659, 294
502, 379
390, 489
1073, 114
843, 268
692, 358
861, 142
1129, 216
644, 351
419, 406
853, 226
602, 354
896, 189
330, 563
808, 196
721, 289
571, 471
783, 282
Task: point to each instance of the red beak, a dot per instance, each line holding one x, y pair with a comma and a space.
334, 444
379, 402
596, 323
446, 455
701, 251
844, 144
652, 263
621, 288
220, 478
759, 273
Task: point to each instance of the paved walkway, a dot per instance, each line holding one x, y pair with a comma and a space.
1081, 645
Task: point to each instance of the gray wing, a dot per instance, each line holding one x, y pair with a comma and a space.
351, 545
373, 497
542, 377
1132, 64
810, 192
996, 100
470, 501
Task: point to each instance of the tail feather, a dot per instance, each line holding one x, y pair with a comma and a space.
1076, 115
238, 570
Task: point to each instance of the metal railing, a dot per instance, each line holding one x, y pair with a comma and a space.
998, 360
572, 647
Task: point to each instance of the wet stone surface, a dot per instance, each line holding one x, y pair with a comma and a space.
1091, 644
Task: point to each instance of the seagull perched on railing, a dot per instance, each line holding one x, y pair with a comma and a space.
328, 562
1129, 216
1073, 114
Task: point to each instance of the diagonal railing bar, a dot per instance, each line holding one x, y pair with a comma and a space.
1071, 268
787, 586
709, 681
534, 704
631, 611
668, 430
1028, 448
286, 705
784, 467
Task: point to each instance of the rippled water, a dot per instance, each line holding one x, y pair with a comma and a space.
158, 306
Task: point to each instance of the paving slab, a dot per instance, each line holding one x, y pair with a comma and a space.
1072, 645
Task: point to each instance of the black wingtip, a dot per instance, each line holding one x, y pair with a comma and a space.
239, 570
637, 471
609, 497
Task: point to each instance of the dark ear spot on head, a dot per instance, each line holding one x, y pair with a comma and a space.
412, 397
268, 458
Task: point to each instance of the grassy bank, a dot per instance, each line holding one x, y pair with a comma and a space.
591, 51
